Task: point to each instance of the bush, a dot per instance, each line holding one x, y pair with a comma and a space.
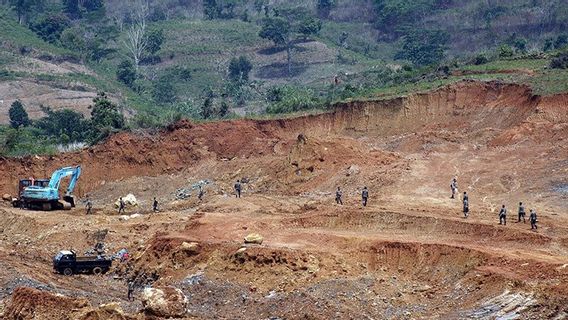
423, 47
154, 41
63, 126
50, 27
239, 69
163, 90
126, 73
561, 41
105, 118
480, 59
24, 141
560, 62
505, 51
291, 99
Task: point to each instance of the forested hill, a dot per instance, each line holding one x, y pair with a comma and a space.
159, 60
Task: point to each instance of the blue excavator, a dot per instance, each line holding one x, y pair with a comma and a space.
46, 197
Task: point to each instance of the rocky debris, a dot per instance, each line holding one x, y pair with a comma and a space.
165, 302
6, 197
128, 217
353, 170
184, 193
254, 238
194, 279
190, 247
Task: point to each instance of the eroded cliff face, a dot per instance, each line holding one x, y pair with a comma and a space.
477, 110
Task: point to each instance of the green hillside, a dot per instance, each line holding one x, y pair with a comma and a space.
227, 58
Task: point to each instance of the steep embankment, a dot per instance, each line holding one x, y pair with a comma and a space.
468, 107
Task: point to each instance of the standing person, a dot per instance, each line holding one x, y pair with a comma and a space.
89, 206
365, 196
155, 205
533, 219
130, 290
201, 193
465, 205
521, 212
503, 215
338, 195
121, 206
238, 189
454, 187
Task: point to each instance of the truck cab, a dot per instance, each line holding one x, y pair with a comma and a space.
66, 262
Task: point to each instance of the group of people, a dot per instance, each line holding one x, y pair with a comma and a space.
121, 206
364, 196
502, 213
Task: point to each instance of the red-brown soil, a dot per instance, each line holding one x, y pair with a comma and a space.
408, 255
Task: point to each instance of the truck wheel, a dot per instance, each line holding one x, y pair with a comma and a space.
67, 271
97, 270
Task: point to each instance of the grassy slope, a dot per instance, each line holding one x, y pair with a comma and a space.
206, 47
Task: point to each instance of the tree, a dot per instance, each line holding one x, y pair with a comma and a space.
211, 9
259, 4
105, 114
137, 41
309, 26
239, 69
50, 27
65, 125
18, 115
324, 8
224, 109
561, 41
278, 31
219, 9
164, 91
207, 108
126, 73
154, 41
92, 5
423, 47
24, 7
71, 9
284, 29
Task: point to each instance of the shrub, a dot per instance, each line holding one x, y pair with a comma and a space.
290, 99
560, 62
126, 73
239, 69
505, 51
480, 59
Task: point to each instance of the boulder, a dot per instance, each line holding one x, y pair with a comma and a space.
353, 170
165, 302
254, 238
190, 247
7, 197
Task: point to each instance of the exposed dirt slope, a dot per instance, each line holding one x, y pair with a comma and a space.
409, 254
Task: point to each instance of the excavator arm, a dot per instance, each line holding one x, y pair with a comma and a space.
59, 174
